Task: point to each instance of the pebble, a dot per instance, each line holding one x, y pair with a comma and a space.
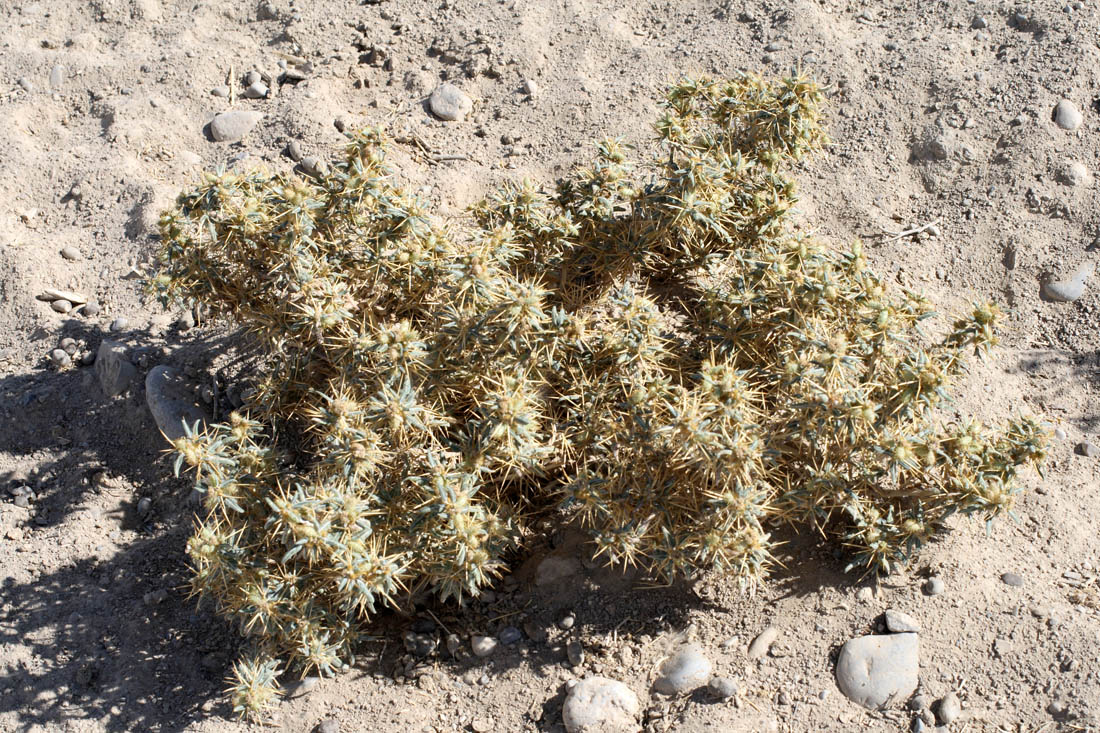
454, 643
574, 651
61, 305
483, 646
872, 670
1066, 115
979, 23
294, 150
600, 704
231, 126
114, 369
763, 641
567, 621
509, 635
555, 568
722, 687
119, 324
933, 587
482, 725
686, 670
57, 76
171, 401
450, 103
314, 166
918, 703
144, 506
70, 253
1087, 449
252, 77
948, 708
420, 644
69, 345
300, 688
1075, 174
222, 91
1013, 579
900, 623
328, 725
26, 84
60, 358
529, 87
256, 90
91, 309
1067, 291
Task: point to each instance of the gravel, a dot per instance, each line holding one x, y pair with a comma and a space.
450, 103
873, 670
600, 704
686, 670
1013, 579
933, 587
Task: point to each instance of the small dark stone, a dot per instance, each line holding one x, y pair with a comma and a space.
1087, 449
509, 635
1013, 579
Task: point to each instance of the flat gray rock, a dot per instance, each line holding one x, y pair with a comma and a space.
171, 402
600, 705
686, 670
450, 103
875, 670
233, 125
113, 368
1070, 289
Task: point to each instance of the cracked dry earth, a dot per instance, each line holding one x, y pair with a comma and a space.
943, 116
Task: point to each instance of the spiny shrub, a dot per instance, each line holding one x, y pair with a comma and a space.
650, 349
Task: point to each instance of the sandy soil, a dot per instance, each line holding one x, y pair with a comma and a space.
104, 113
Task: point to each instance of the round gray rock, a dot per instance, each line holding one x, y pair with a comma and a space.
949, 708
113, 368
686, 670
1066, 115
873, 670
450, 103
233, 125
171, 402
600, 705
483, 646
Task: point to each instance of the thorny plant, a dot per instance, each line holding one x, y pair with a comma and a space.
653, 351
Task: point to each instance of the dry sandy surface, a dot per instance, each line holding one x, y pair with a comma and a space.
936, 117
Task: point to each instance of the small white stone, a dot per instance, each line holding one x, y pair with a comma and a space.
1075, 174
450, 103
686, 670
900, 623
1067, 116
483, 646
600, 705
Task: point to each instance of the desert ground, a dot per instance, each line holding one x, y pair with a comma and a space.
965, 153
